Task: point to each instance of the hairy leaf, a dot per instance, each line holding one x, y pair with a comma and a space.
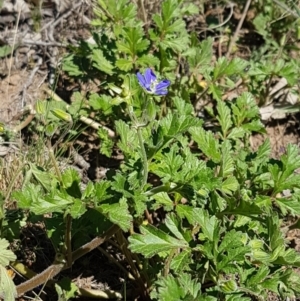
8, 289
152, 241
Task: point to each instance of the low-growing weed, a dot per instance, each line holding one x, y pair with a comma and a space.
209, 226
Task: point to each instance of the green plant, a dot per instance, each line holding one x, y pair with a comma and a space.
209, 226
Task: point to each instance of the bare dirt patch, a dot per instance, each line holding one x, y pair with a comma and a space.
36, 34
281, 133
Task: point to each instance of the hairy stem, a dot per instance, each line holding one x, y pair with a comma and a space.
41, 278
138, 128
144, 157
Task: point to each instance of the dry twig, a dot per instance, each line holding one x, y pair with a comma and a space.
237, 31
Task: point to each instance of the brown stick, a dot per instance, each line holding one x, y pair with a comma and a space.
233, 39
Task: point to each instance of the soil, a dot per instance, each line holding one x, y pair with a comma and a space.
21, 85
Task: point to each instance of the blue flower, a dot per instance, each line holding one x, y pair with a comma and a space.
149, 82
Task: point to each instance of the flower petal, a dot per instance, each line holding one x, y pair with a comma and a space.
163, 84
161, 92
161, 87
149, 76
141, 80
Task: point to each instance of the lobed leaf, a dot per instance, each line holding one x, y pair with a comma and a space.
117, 214
207, 143
152, 241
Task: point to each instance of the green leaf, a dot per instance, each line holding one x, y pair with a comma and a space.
209, 224
77, 107
66, 289
254, 126
5, 50
290, 161
243, 208
163, 199
139, 200
271, 284
246, 110
224, 117
152, 241
100, 62
182, 288
230, 185
101, 102
233, 256
227, 166
107, 144
170, 10
181, 261
259, 276
121, 10
225, 67
169, 164
101, 188
134, 42
71, 67
176, 44
7, 287
191, 286
181, 123
187, 212
182, 107
264, 150
128, 143
229, 286
237, 297
31, 197
117, 213
77, 209
170, 127
236, 133
199, 56
285, 178
70, 177
260, 22
6, 255
231, 240
172, 224
148, 59
207, 143
168, 289
288, 257
261, 256
177, 26
291, 205
45, 178
215, 91
124, 64
190, 9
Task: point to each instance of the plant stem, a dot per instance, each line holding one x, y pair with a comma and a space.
68, 237
53, 160
41, 278
162, 188
144, 157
